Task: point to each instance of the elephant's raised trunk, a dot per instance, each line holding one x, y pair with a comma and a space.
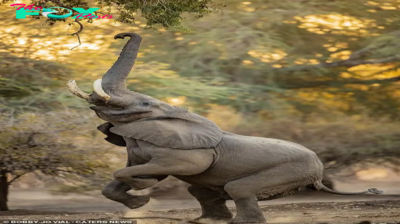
115, 77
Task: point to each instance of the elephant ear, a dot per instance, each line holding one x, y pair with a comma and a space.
182, 131
111, 137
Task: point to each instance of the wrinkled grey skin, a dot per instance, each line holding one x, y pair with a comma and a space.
164, 140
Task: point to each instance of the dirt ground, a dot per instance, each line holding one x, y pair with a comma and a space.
380, 211
304, 208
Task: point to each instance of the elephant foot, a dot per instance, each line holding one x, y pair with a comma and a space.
141, 183
116, 191
214, 217
220, 213
250, 219
136, 202
137, 183
248, 211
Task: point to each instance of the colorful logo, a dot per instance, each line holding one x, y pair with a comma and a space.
22, 11
48, 12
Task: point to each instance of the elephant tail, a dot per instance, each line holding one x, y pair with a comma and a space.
318, 186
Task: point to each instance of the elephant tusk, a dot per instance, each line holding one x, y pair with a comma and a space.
74, 89
99, 90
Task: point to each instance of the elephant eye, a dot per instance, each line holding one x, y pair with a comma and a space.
145, 103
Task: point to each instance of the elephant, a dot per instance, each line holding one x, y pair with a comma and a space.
163, 140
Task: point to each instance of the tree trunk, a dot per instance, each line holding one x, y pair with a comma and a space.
3, 190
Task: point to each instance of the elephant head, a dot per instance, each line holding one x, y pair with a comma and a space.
138, 116
113, 101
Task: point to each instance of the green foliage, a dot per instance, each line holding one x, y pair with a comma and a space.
167, 13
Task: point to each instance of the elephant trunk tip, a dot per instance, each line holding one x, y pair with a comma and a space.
131, 35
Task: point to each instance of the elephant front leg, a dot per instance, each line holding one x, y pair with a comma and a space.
137, 176
139, 182
117, 191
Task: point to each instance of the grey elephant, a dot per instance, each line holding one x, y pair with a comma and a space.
164, 140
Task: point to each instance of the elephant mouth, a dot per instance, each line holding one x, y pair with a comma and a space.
109, 111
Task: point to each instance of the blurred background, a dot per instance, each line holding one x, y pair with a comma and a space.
322, 73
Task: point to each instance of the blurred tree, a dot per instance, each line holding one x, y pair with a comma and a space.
24, 76
51, 144
294, 56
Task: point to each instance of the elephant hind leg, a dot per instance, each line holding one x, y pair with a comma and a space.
116, 191
213, 206
277, 181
